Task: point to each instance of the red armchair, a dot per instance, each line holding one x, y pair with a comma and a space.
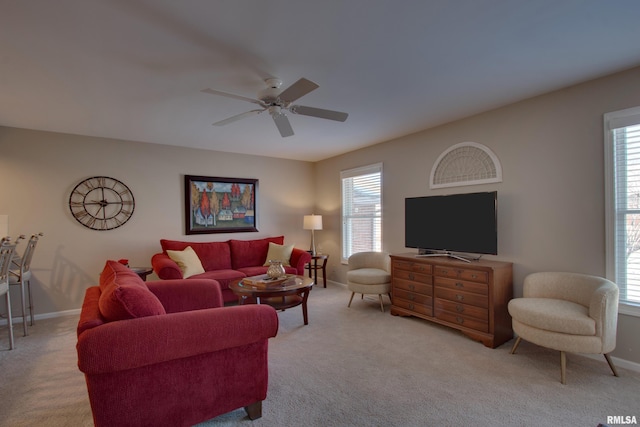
193, 362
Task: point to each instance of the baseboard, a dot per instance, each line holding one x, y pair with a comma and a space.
621, 363
18, 319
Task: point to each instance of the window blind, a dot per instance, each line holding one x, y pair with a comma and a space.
361, 210
623, 203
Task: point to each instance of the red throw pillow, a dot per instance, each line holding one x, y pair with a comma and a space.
251, 253
125, 295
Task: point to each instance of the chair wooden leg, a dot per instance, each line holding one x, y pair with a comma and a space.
610, 362
351, 299
381, 305
254, 411
515, 345
563, 367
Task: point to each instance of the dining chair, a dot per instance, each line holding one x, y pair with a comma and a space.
20, 274
7, 250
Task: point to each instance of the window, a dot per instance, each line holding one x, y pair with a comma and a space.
622, 180
361, 210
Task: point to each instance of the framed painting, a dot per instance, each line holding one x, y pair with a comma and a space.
219, 205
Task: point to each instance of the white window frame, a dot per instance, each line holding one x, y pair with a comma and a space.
346, 231
612, 121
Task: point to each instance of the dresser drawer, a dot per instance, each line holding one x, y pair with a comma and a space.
425, 308
413, 266
462, 297
412, 296
462, 285
464, 310
463, 274
407, 285
413, 276
467, 322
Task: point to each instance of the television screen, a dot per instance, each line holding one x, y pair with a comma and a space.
465, 223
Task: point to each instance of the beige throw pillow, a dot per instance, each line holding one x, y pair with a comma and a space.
188, 261
279, 253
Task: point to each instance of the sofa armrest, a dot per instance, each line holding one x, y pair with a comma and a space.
129, 344
165, 267
299, 259
178, 295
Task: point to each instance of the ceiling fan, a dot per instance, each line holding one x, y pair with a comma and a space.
277, 103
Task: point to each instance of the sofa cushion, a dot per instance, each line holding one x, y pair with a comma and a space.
249, 253
213, 255
124, 294
279, 253
223, 277
187, 260
368, 276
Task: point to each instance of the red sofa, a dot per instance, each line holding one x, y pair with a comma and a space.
168, 353
226, 261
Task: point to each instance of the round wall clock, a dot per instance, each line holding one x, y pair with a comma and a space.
101, 203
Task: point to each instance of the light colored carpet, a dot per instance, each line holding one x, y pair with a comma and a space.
350, 367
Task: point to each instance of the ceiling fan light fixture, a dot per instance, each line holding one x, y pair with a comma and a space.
275, 110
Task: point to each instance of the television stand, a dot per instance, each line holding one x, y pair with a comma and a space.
445, 254
469, 297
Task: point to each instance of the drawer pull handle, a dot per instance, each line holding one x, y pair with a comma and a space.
411, 306
445, 272
411, 276
474, 276
412, 287
422, 268
460, 320
460, 297
412, 297
459, 308
460, 284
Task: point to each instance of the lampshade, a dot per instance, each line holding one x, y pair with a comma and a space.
312, 222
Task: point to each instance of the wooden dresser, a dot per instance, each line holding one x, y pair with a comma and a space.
471, 297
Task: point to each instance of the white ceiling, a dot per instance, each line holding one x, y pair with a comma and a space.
134, 69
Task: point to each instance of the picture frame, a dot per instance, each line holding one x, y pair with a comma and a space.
219, 205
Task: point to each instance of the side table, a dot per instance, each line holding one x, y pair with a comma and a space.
143, 272
315, 265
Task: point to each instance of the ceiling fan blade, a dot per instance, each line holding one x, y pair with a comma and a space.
231, 95
237, 117
297, 90
319, 112
283, 125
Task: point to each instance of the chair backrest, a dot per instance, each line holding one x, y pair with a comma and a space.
574, 287
28, 252
6, 254
380, 260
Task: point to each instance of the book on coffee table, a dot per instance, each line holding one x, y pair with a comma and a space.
262, 280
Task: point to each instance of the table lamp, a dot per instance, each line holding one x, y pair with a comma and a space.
312, 222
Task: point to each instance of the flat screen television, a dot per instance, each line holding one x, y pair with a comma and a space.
462, 223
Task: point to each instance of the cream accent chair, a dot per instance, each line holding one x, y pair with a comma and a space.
570, 312
369, 273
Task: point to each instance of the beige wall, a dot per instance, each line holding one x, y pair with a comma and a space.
551, 200
39, 169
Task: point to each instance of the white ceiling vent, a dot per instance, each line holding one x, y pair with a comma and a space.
467, 163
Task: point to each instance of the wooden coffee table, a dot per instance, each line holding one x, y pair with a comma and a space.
292, 292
